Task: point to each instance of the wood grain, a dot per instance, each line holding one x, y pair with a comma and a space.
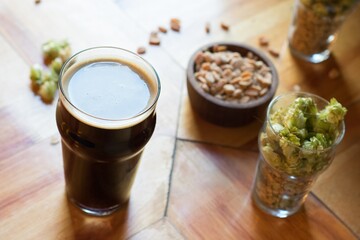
352, 134
34, 181
219, 180
24, 119
193, 127
339, 181
194, 179
160, 230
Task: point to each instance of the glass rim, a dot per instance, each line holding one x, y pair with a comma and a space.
338, 138
146, 109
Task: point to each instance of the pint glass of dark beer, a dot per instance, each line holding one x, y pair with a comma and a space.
105, 115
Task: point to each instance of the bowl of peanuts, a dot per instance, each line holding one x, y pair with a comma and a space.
230, 84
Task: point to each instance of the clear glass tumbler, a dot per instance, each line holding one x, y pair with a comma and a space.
314, 26
285, 172
105, 115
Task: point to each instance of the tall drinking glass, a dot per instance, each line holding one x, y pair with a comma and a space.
314, 26
286, 172
105, 115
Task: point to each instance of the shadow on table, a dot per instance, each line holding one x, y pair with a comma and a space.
270, 227
243, 137
325, 79
87, 227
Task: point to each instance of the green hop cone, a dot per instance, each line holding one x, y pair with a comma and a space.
53, 49
329, 118
36, 74
330, 8
56, 65
300, 133
47, 91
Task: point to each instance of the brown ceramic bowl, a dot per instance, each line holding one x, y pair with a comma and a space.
229, 114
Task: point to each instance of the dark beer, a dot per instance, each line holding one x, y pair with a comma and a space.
105, 115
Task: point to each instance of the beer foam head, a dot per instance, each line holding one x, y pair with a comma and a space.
74, 98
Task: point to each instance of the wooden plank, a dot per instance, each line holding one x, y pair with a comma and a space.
240, 15
32, 186
138, 9
193, 127
293, 73
32, 179
220, 207
338, 186
151, 185
23, 117
316, 78
95, 27
210, 195
352, 127
84, 25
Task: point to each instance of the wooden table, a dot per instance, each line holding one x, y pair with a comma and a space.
195, 178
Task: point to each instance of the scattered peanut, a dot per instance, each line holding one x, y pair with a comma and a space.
162, 29
54, 140
224, 26
154, 39
231, 77
175, 24
274, 53
263, 41
141, 50
207, 27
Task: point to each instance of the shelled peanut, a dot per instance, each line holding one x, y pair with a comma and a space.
231, 77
